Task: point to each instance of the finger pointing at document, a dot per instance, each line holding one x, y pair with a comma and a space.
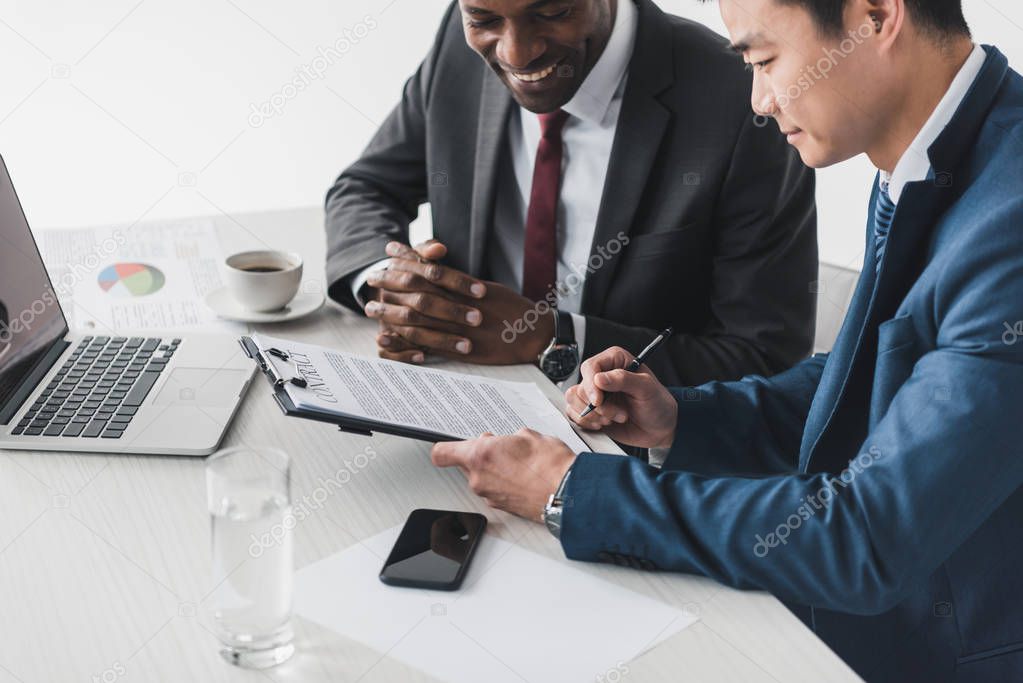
515, 473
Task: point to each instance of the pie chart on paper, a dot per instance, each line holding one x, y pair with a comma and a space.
131, 279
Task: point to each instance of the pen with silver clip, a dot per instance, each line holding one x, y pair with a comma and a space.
637, 362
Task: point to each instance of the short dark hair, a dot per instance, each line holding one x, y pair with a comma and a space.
940, 18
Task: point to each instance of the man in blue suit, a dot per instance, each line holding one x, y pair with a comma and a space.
876, 490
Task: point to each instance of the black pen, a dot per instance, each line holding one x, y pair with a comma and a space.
637, 362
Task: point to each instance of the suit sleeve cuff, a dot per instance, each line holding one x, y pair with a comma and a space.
694, 429
579, 329
359, 279
589, 495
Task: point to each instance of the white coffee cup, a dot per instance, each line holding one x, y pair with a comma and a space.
263, 281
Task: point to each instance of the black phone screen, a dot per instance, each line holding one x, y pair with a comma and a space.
434, 549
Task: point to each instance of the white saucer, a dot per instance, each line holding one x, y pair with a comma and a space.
304, 303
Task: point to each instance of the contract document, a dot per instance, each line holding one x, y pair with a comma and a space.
399, 398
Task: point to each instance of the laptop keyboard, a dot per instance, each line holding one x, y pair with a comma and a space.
99, 388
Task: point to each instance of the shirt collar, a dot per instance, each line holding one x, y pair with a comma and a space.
593, 99
915, 164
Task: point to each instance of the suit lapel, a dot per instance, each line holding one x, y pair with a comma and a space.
848, 379
491, 133
850, 338
642, 122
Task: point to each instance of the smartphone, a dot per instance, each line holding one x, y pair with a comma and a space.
433, 550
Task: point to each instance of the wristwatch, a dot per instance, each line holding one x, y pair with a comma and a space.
561, 357
555, 506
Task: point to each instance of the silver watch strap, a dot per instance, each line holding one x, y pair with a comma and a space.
553, 512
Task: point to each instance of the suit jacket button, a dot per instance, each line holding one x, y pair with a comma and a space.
943, 609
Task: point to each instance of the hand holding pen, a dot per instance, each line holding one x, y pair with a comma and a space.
637, 362
620, 396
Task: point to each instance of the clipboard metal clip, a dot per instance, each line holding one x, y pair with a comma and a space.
297, 381
277, 353
253, 351
262, 359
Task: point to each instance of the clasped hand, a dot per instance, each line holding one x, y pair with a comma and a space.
425, 307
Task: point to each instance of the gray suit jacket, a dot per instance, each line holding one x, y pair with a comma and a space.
718, 210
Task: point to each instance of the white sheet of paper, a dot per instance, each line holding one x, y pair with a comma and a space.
176, 263
518, 615
443, 402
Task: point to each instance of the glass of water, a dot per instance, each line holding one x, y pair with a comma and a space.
252, 523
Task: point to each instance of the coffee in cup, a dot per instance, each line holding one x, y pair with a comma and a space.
263, 281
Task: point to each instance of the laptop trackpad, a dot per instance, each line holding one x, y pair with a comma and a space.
201, 387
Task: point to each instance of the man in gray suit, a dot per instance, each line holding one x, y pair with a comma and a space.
596, 177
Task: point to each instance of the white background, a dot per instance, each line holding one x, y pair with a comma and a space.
121, 110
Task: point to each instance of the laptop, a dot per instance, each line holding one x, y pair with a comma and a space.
159, 394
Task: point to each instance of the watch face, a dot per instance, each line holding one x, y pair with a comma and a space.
560, 362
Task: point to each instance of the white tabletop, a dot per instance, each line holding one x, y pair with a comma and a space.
105, 560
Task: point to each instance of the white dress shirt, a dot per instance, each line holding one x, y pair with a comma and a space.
587, 138
915, 164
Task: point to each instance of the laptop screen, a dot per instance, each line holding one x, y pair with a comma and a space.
31, 321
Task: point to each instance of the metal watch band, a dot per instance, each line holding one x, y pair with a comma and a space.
554, 510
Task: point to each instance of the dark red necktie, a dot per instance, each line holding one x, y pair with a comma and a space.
540, 267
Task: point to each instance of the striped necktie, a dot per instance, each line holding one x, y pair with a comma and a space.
884, 212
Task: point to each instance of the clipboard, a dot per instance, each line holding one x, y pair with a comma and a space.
345, 423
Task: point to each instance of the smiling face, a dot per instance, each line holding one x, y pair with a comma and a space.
542, 50
828, 94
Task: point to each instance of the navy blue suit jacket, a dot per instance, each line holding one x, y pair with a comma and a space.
877, 491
